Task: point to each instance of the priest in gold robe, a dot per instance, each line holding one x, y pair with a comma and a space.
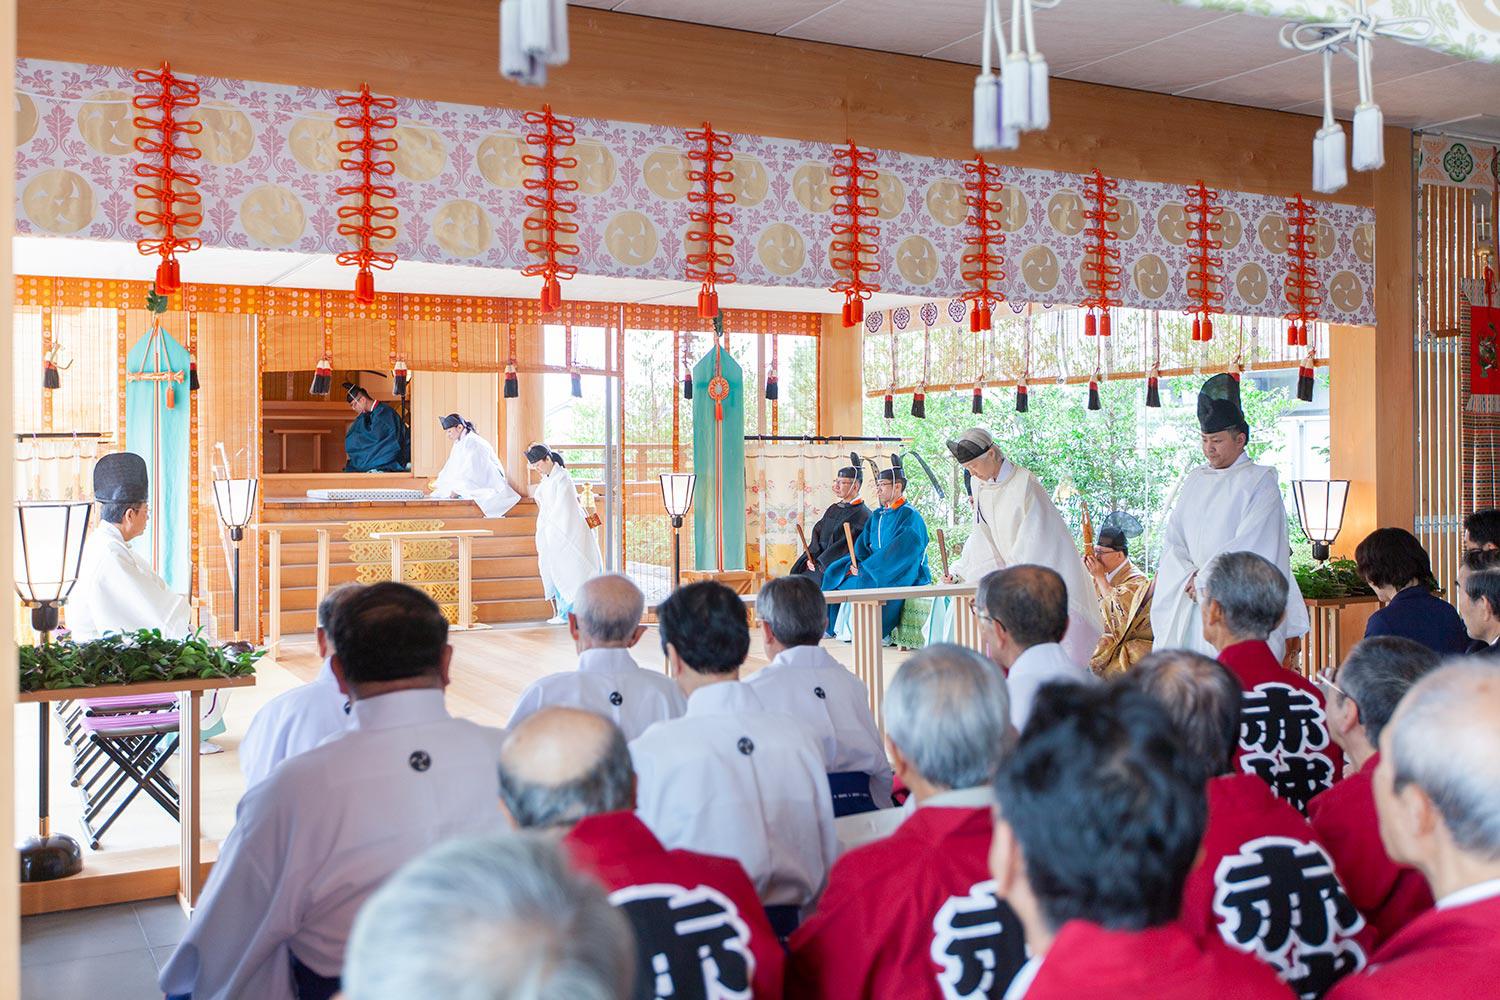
1124, 594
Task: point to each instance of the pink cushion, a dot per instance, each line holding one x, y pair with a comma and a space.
131, 725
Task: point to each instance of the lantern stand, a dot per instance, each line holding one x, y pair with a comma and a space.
677, 497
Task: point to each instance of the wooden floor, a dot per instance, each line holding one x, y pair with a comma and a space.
490, 670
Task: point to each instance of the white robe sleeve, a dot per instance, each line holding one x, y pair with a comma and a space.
118, 592
473, 472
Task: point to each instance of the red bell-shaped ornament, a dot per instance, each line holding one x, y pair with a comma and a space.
364, 287
848, 315
1197, 329
551, 295
1291, 334
1104, 323
1208, 328
164, 283
175, 271
857, 311
1090, 324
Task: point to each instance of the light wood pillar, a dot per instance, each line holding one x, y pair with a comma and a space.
841, 379
522, 425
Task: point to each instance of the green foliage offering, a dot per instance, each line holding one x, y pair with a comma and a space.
1336, 578
138, 657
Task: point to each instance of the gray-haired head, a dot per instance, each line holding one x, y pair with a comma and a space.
795, 609
563, 764
490, 918
1250, 591
948, 712
1377, 673
328, 607
1445, 739
1201, 696
609, 609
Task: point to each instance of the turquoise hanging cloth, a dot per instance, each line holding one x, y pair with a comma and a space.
158, 414
719, 459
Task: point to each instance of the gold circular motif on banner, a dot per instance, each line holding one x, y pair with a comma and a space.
313, 143
751, 183
1129, 222
596, 167
59, 201
1272, 231
1252, 284
781, 249
891, 199
462, 228
152, 205
1016, 210
419, 154
631, 239
1039, 268
1065, 212
1483, 13
1232, 228
499, 160
1151, 277
1171, 222
1324, 239
26, 119
812, 187
1346, 292
272, 215
945, 202
917, 260
107, 123
1364, 242
227, 136
665, 172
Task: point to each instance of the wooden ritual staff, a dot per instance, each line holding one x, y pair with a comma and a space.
849, 540
806, 550
943, 551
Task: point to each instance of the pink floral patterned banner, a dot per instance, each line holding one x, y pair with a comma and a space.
270, 169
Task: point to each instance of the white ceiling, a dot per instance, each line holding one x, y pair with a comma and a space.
1152, 45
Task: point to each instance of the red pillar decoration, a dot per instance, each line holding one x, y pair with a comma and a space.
854, 247
710, 264
1205, 268
358, 221
552, 133
1100, 260
983, 263
166, 182
1303, 289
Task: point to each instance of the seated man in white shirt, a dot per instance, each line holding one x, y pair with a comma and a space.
1023, 615
317, 837
729, 777
605, 623
803, 679
305, 716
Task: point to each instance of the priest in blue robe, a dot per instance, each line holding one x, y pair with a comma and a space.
377, 440
890, 552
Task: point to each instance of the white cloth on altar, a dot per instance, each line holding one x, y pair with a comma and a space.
1016, 523
293, 722
473, 472
1238, 509
117, 591
567, 553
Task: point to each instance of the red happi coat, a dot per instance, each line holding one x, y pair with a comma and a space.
1088, 962
1284, 735
696, 916
1388, 894
1265, 886
1443, 954
912, 916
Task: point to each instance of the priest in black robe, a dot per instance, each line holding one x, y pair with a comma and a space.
827, 542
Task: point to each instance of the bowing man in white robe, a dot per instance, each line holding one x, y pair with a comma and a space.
295, 721
1228, 504
117, 591
567, 553
729, 777
473, 470
1016, 523
314, 840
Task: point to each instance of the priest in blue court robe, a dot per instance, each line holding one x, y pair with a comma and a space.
890, 552
377, 440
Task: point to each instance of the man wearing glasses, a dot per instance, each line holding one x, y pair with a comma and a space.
827, 543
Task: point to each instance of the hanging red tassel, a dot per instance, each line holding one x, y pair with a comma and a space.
400, 376
1197, 329
1305, 384
1104, 325
854, 245
1208, 328
982, 262
978, 406
367, 115
167, 183
1094, 403
322, 381
1153, 394
1101, 268
1205, 267
857, 311
890, 407
193, 385
919, 404
1302, 285
171, 396
512, 383
549, 222
848, 315
1090, 325
709, 217
773, 390
1020, 399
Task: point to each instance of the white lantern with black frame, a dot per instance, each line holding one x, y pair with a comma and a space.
235, 501
48, 553
677, 498
1320, 511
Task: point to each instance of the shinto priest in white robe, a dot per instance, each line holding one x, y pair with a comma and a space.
1236, 509
566, 550
473, 472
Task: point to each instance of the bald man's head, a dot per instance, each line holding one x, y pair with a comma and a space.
563, 764
607, 612
1030, 602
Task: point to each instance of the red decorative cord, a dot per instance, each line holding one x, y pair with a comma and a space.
361, 226
1303, 289
1205, 268
169, 185
552, 134
710, 265
854, 247
983, 264
1100, 259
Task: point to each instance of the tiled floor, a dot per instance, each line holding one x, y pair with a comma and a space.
106, 953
